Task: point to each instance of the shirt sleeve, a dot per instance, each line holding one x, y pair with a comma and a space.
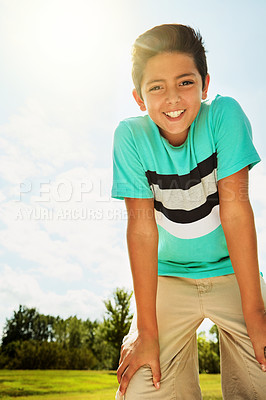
129, 179
233, 137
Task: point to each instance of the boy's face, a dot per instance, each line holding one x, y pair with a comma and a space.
172, 92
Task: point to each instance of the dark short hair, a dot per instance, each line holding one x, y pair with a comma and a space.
167, 38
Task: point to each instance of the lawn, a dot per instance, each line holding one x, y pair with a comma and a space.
77, 385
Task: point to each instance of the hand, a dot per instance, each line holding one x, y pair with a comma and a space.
256, 327
144, 350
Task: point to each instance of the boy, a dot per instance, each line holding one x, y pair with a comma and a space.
183, 172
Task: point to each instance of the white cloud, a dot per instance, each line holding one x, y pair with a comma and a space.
30, 242
2, 197
34, 146
15, 166
63, 238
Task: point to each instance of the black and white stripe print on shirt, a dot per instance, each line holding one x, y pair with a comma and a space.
187, 206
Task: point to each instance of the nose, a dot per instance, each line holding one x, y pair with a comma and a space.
172, 96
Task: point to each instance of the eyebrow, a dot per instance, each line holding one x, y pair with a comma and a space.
177, 77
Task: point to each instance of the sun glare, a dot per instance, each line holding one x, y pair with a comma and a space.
68, 33
61, 38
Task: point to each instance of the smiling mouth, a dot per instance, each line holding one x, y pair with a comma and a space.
174, 114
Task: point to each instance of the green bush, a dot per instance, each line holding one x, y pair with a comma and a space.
31, 354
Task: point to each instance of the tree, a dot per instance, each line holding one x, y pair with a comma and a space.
208, 351
117, 321
216, 343
75, 332
27, 324
104, 351
32, 340
90, 333
60, 331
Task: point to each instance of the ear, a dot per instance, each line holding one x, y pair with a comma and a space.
139, 101
206, 87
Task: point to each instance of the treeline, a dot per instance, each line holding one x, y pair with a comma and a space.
35, 341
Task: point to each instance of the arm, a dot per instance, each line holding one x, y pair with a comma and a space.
142, 239
239, 228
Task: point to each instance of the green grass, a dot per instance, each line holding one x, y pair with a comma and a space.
211, 387
77, 385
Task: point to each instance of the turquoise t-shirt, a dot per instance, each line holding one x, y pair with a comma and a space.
183, 182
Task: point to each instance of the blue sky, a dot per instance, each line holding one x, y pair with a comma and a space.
65, 85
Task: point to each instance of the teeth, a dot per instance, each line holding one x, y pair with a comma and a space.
174, 114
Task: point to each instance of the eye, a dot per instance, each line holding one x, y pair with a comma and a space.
155, 88
186, 83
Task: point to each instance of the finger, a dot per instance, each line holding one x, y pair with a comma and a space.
263, 365
121, 356
260, 356
126, 377
124, 351
156, 374
121, 369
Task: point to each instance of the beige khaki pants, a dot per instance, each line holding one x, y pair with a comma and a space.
182, 304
